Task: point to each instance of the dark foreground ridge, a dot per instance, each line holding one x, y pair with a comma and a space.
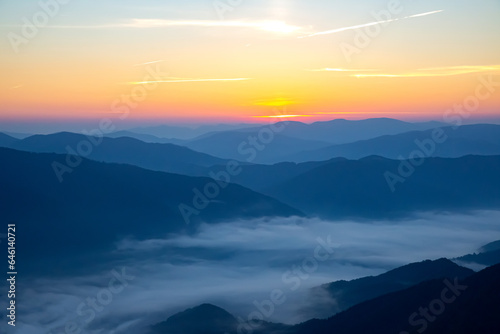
440, 306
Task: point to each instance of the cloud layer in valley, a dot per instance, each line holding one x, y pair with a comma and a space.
237, 263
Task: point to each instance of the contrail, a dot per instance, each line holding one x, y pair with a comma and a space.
334, 31
424, 14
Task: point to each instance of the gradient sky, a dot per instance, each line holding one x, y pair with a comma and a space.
262, 58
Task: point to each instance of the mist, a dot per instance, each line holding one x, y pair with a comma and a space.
236, 265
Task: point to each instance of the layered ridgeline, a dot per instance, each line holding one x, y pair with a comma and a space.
376, 187
98, 203
480, 139
6, 140
337, 131
154, 156
452, 142
284, 140
372, 187
164, 131
268, 145
452, 300
487, 255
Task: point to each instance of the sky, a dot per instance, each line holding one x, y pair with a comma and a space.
246, 61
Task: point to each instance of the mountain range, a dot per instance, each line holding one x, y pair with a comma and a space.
331, 189
285, 141
160, 157
99, 203
290, 146
361, 188
481, 139
192, 202
239, 146
337, 131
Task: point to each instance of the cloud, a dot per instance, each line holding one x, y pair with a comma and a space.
150, 62
235, 263
270, 26
340, 70
433, 72
334, 31
180, 80
423, 72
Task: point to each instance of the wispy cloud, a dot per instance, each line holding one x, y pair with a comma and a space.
422, 72
180, 80
341, 70
271, 26
334, 31
150, 62
433, 72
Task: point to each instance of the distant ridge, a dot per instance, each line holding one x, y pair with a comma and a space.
6, 140
160, 157
481, 139
359, 188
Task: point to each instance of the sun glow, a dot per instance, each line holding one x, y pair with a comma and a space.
279, 102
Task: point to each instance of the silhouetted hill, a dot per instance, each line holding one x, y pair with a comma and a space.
98, 203
490, 247
142, 137
165, 131
18, 135
261, 177
210, 319
161, 157
237, 145
206, 318
487, 255
480, 139
477, 310
340, 131
358, 188
349, 293
467, 306
6, 140
185, 133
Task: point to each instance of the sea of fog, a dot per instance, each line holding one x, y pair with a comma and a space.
237, 265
